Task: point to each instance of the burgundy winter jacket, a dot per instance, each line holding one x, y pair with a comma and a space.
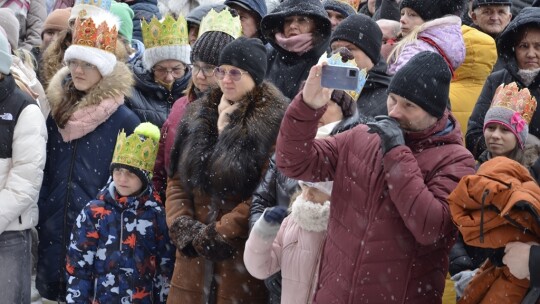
390, 228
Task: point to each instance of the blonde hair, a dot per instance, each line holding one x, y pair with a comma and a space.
409, 39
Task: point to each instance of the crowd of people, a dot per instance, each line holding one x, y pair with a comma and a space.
162, 151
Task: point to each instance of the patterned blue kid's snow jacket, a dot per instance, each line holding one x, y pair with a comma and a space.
120, 251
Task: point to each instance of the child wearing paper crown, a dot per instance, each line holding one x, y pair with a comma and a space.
120, 250
292, 244
506, 127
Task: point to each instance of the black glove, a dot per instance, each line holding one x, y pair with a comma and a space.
183, 230
389, 131
273, 283
189, 251
211, 245
275, 215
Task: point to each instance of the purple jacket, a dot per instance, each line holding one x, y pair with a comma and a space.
445, 32
390, 228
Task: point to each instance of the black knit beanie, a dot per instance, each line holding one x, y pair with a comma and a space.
363, 32
340, 7
427, 9
143, 175
477, 3
207, 47
248, 54
424, 81
433, 9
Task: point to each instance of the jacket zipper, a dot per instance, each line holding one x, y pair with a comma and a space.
314, 269
66, 207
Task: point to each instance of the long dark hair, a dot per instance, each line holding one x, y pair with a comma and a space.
68, 104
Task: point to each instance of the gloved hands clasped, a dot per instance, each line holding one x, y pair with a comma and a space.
389, 131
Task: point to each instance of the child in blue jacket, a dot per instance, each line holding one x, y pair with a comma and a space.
120, 250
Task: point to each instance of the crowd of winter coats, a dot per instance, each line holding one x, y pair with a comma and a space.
481, 55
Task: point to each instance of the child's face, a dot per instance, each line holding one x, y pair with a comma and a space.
500, 140
409, 20
314, 195
126, 182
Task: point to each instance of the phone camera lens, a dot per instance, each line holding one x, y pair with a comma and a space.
352, 73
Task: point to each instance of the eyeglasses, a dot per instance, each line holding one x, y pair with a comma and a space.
234, 74
207, 70
85, 66
389, 41
176, 72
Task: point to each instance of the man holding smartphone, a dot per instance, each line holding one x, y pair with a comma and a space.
390, 228
363, 38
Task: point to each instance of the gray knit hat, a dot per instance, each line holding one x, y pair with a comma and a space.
208, 46
512, 108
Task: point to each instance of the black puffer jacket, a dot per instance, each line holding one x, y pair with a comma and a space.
372, 100
474, 138
288, 70
151, 101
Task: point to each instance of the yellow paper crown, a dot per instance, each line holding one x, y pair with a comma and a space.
102, 37
353, 3
138, 150
221, 22
167, 32
511, 97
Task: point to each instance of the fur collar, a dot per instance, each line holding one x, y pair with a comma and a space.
310, 216
228, 165
118, 83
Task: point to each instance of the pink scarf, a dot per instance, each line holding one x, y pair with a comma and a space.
298, 44
87, 119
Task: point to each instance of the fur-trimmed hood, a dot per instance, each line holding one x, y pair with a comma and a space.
118, 83
230, 164
311, 216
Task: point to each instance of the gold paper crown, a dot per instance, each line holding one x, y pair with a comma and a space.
353, 3
138, 150
167, 32
221, 22
511, 97
102, 37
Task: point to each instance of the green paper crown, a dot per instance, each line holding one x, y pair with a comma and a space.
139, 149
167, 32
221, 22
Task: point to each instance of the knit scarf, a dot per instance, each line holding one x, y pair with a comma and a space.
87, 119
298, 44
528, 76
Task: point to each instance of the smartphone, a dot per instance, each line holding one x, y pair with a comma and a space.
340, 77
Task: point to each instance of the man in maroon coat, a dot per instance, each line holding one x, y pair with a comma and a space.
390, 228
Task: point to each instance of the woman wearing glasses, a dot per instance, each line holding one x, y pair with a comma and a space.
204, 56
163, 73
87, 112
221, 150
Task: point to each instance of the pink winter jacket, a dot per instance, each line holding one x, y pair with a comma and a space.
295, 250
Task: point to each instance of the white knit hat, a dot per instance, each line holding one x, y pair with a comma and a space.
166, 52
165, 40
325, 187
100, 53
